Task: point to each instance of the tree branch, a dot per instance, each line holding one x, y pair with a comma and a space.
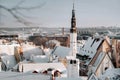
16, 12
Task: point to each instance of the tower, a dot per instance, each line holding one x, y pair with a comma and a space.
72, 67
72, 61
73, 34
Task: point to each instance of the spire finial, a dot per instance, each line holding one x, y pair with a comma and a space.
73, 4
73, 20
73, 11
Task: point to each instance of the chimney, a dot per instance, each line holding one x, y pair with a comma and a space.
52, 77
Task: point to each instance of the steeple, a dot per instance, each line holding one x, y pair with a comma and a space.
73, 22
73, 34
73, 11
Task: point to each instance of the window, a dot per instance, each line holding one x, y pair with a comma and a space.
91, 52
34, 72
75, 62
71, 62
106, 68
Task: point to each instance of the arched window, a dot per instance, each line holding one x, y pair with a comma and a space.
45, 72
35, 71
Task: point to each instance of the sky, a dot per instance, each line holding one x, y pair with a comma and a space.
57, 13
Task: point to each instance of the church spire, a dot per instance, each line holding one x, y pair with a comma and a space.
73, 21
73, 34
73, 11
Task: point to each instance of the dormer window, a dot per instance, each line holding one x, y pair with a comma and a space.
50, 69
35, 71
88, 51
97, 39
91, 52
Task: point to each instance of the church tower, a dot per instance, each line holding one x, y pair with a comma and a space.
72, 61
73, 34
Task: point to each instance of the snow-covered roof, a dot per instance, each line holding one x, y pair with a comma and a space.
47, 51
9, 61
54, 42
93, 77
61, 51
57, 78
29, 50
40, 59
90, 47
22, 76
72, 58
111, 74
41, 66
7, 49
98, 60
80, 43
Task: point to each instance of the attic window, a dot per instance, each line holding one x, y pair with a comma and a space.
50, 69
91, 52
74, 61
97, 39
71, 62
45, 72
27, 59
89, 58
34, 72
84, 66
84, 57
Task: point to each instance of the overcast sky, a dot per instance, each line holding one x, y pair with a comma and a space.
57, 13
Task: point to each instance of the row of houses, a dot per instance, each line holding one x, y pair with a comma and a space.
94, 58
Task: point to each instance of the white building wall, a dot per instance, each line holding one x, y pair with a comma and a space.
26, 67
73, 43
72, 67
106, 63
7, 49
0, 66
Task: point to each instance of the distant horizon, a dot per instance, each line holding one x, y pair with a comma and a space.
64, 27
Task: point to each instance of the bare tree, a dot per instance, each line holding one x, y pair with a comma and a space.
17, 11
40, 41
